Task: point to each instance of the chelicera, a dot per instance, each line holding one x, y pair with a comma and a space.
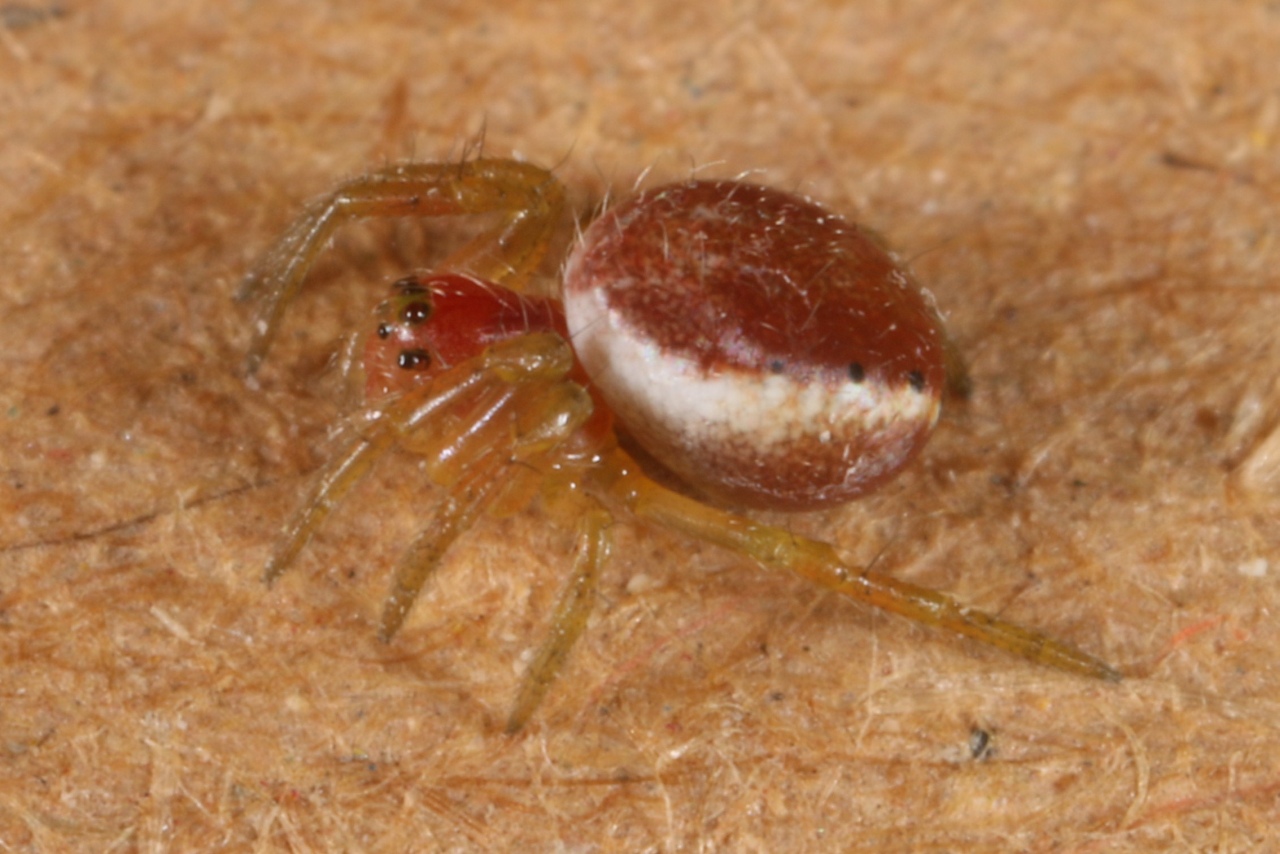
766, 351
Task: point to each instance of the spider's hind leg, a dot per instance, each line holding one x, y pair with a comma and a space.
778, 548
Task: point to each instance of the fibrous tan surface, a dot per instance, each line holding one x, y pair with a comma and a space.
1089, 191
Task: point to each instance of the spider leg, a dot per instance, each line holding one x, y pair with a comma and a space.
530, 197
780, 549
570, 617
536, 420
480, 384
465, 502
349, 466
336, 479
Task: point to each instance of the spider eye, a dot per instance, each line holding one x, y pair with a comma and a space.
384, 331
416, 313
414, 360
916, 378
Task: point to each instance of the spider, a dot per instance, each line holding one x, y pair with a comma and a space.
762, 349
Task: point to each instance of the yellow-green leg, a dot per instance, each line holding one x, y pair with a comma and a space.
490, 377
818, 562
530, 198
570, 617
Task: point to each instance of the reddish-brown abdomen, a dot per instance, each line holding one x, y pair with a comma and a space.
763, 348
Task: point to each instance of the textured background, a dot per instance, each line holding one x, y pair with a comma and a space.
1091, 194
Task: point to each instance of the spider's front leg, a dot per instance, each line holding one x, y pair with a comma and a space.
532, 423
519, 411
529, 198
542, 417
817, 561
487, 383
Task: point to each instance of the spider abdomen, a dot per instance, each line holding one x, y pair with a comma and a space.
763, 348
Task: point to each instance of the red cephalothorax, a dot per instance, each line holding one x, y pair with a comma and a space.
768, 352
437, 321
